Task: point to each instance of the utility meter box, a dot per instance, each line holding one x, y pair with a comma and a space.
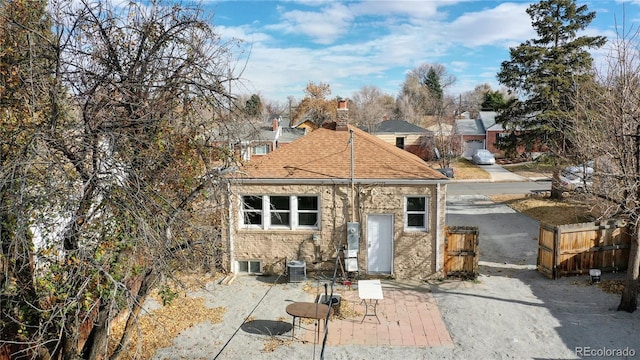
351, 264
353, 236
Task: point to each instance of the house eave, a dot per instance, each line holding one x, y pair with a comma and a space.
286, 181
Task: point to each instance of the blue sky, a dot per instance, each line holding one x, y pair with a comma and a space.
351, 44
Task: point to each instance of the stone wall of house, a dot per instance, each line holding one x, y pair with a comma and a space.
414, 251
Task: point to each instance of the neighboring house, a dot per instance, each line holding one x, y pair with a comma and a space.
406, 136
295, 203
305, 124
480, 133
440, 129
252, 140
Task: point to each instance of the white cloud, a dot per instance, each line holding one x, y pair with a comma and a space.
413, 9
323, 26
496, 26
245, 32
376, 42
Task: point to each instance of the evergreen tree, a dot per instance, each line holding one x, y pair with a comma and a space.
432, 83
492, 101
253, 107
545, 72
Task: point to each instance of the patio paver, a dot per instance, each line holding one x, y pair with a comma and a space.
408, 317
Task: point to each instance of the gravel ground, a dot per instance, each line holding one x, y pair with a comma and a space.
510, 312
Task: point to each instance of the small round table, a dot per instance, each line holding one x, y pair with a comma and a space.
307, 310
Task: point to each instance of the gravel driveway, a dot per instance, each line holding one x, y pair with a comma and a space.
512, 311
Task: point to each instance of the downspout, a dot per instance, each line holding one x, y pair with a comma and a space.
232, 263
438, 227
351, 177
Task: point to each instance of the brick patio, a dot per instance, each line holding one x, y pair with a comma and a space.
409, 316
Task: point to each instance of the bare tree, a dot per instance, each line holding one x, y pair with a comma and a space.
370, 106
607, 130
424, 93
407, 108
471, 101
112, 174
275, 109
316, 106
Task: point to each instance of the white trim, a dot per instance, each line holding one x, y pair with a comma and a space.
266, 147
293, 213
438, 228
427, 201
232, 262
318, 213
249, 262
241, 210
267, 203
392, 244
336, 181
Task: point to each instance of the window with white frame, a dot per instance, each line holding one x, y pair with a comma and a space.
308, 211
252, 210
416, 214
250, 266
262, 149
280, 211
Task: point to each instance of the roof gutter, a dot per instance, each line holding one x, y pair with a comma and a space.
285, 181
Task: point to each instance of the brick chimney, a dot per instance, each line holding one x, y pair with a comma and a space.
342, 118
275, 124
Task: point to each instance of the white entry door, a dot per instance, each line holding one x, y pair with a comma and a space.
379, 243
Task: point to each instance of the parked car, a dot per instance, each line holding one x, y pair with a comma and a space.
576, 178
584, 170
483, 157
572, 182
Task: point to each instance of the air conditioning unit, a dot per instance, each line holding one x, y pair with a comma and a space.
297, 270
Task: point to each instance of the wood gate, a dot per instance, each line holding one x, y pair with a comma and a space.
576, 248
461, 251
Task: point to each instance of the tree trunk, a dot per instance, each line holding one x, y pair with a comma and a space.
556, 192
146, 285
629, 300
70, 346
96, 345
16, 281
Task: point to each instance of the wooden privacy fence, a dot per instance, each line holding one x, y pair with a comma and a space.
461, 251
577, 248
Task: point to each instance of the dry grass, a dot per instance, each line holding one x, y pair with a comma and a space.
530, 168
274, 343
464, 169
544, 209
612, 286
159, 327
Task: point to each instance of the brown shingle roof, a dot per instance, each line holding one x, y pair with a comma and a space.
326, 153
